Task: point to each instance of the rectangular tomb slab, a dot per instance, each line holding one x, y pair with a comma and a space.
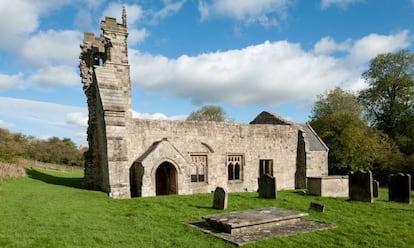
252, 220
249, 226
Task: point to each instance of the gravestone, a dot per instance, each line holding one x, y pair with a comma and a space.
375, 188
399, 188
317, 207
267, 187
220, 198
360, 186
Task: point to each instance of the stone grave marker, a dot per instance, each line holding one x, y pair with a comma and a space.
317, 207
220, 198
399, 188
375, 188
267, 187
360, 186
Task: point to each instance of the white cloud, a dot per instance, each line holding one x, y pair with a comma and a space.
170, 7
52, 47
44, 118
77, 118
265, 74
157, 116
328, 45
259, 11
55, 76
11, 81
137, 36
17, 17
339, 3
6, 125
371, 45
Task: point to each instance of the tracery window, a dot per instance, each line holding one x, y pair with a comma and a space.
234, 167
198, 168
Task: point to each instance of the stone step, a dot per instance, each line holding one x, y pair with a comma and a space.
253, 220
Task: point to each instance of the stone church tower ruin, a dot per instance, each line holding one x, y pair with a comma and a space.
130, 157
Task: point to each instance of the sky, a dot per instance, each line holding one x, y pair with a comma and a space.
246, 56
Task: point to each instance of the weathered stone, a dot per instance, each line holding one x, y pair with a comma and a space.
251, 225
399, 188
317, 207
267, 187
375, 188
328, 186
360, 186
136, 157
220, 198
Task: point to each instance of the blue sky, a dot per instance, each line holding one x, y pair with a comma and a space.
244, 55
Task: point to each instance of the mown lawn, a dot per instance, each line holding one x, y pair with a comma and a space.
49, 209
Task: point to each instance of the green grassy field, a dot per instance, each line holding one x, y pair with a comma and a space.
49, 209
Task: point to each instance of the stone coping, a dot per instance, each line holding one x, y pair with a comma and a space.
330, 177
254, 217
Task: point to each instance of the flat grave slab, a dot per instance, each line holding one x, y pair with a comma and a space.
249, 226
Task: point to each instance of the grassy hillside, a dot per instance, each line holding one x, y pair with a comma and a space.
49, 209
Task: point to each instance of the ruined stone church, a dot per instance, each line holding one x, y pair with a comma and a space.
130, 157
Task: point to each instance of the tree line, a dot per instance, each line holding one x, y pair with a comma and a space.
53, 150
374, 128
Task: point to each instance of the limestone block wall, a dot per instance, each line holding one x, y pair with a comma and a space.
217, 140
317, 163
329, 186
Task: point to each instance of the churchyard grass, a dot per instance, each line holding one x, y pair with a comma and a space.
49, 209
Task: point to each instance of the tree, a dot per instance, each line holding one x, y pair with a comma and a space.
336, 117
389, 99
209, 113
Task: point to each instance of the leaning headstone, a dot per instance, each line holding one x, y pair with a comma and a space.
399, 188
267, 187
375, 188
220, 198
360, 186
317, 207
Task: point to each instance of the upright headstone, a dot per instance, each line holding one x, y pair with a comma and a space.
360, 186
399, 188
267, 187
375, 188
220, 198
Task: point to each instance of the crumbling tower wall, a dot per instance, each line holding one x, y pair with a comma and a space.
105, 76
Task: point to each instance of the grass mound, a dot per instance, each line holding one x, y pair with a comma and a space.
49, 209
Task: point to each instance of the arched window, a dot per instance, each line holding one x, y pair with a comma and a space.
234, 167
198, 168
230, 171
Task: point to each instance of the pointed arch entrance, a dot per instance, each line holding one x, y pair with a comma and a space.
166, 179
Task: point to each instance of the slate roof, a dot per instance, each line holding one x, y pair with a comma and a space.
266, 117
315, 142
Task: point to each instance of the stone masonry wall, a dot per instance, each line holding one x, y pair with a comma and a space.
217, 140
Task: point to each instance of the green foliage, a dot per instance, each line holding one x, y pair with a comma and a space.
336, 117
48, 209
53, 150
209, 113
389, 99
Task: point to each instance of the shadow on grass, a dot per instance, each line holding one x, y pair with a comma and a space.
63, 181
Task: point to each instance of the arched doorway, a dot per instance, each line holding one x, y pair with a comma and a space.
166, 179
